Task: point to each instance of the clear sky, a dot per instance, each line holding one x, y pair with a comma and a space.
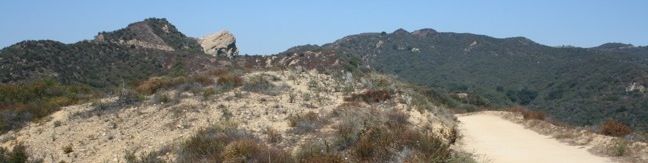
271, 26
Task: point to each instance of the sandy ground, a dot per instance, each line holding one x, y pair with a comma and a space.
494, 139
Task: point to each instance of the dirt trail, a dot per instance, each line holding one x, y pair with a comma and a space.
495, 139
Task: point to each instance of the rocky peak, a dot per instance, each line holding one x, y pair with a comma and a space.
222, 43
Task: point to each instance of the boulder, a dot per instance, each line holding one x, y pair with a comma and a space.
222, 43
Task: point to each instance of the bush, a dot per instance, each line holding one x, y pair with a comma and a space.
305, 123
317, 153
226, 143
25, 102
17, 155
208, 143
528, 114
68, 149
612, 127
397, 119
154, 84
208, 92
370, 96
151, 157
259, 84
240, 150
619, 148
274, 136
229, 80
374, 135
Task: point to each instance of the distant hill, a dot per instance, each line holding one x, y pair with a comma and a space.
146, 48
581, 86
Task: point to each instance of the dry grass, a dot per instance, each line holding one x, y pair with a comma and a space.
612, 127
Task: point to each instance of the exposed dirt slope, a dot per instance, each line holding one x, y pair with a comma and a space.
81, 134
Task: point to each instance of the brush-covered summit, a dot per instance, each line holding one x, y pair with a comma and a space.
152, 33
142, 49
578, 85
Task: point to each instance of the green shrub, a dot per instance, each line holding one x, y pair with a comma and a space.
24, 102
619, 148
154, 84
259, 84
17, 155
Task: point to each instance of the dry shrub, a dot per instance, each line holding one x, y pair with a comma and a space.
375, 135
305, 123
240, 150
217, 72
226, 143
397, 118
68, 149
528, 114
154, 84
17, 155
615, 128
374, 144
274, 136
323, 158
314, 152
202, 79
370, 96
209, 143
230, 80
260, 84
252, 151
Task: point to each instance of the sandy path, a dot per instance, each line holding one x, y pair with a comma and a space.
497, 140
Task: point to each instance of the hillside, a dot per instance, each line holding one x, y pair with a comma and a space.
150, 47
293, 114
37, 77
581, 86
147, 93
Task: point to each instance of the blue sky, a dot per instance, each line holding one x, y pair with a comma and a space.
265, 27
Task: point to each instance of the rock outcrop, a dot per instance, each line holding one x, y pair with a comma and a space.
222, 43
